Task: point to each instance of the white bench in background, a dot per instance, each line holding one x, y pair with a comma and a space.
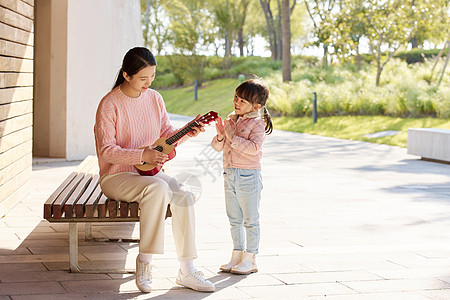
429, 143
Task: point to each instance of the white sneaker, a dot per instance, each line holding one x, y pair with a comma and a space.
247, 265
144, 275
194, 280
236, 258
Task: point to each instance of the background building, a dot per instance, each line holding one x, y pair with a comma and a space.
57, 59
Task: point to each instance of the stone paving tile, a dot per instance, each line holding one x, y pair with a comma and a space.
331, 265
22, 267
129, 264
36, 258
411, 273
112, 285
319, 277
222, 280
45, 235
20, 250
374, 296
10, 276
45, 243
297, 291
436, 294
30, 288
81, 249
397, 285
78, 296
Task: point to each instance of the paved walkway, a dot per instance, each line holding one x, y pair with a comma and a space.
340, 220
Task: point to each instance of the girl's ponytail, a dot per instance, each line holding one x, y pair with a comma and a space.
267, 121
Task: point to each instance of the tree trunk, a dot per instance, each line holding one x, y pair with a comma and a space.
413, 42
286, 29
270, 27
445, 65
358, 58
227, 58
241, 42
379, 67
279, 32
146, 24
241, 27
438, 57
325, 56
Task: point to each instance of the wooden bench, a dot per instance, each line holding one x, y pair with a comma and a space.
79, 199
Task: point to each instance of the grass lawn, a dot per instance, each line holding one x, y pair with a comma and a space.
355, 127
214, 95
217, 95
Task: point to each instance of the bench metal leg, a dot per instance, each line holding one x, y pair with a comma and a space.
88, 232
73, 252
73, 247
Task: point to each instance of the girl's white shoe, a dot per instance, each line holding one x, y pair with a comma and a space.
247, 264
236, 258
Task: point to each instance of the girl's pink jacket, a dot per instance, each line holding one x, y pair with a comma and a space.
245, 150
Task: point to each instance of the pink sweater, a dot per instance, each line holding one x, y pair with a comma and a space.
124, 124
245, 150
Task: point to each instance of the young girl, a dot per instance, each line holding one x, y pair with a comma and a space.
240, 137
129, 119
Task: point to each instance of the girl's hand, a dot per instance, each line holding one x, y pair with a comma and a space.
229, 131
154, 157
196, 130
220, 128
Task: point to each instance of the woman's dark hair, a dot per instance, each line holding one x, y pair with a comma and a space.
256, 91
135, 60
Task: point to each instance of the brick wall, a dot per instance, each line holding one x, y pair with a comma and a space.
16, 99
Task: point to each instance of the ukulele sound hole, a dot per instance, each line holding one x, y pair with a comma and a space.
159, 148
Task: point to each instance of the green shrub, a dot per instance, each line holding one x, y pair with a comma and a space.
417, 55
405, 91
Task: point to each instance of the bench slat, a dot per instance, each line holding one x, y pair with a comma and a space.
112, 209
48, 204
91, 202
101, 206
77, 193
83, 203
123, 209
58, 205
134, 210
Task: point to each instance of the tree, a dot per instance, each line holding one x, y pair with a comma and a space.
349, 27
192, 33
286, 29
320, 12
155, 24
387, 29
244, 7
273, 28
429, 19
229, 18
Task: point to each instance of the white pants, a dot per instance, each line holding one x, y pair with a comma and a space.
154, 193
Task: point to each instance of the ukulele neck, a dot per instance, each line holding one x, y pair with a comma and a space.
174, 138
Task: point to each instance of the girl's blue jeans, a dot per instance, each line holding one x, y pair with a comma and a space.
242, 196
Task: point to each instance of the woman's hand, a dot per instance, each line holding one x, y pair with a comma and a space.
154, 157
220, 128
196, 130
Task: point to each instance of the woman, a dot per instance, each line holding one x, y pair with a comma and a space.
129, 119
